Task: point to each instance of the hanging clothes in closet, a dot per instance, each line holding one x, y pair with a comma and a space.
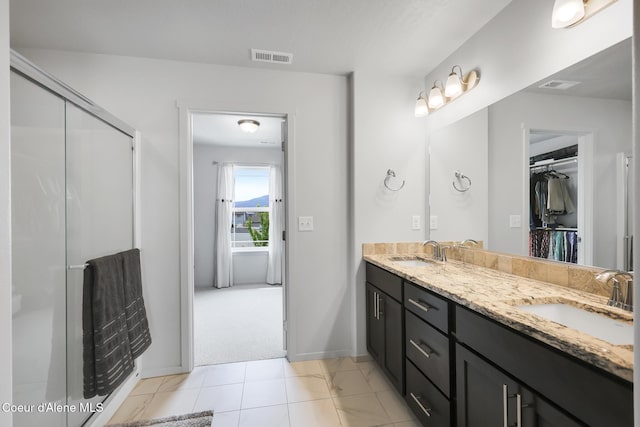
557, 245
549, 198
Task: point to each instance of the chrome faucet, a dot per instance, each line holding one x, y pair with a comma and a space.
619, 298
464, 243
443, 253
436, 247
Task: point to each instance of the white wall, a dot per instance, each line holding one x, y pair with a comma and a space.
609, 120
205, 184
143, 92
514, 50
385, 135
518, 47
250, 267
636, 198
461, 146
5, 216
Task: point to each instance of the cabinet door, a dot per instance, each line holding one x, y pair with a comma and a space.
486, 397
375, 325
540, 413
391, 314
384, 334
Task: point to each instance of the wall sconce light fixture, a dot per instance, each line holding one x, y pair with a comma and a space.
421, 109
436, 98
248, 125
567, 13
457, 84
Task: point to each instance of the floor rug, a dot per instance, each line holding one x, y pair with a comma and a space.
199, 419
237, 324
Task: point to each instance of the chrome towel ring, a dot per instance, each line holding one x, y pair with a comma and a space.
460, 176
392, 174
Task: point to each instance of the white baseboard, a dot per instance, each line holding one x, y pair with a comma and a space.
318, 355
160, 372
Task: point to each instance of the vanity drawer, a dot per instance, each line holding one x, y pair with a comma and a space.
387, 282
423, 397
428, 349
427, 306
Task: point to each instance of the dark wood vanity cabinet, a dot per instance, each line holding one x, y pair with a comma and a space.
456, 367
385, 329
580, 394
488, 397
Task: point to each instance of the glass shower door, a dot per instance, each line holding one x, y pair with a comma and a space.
38, 252
99, 176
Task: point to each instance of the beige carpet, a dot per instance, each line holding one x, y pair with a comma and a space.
237, 324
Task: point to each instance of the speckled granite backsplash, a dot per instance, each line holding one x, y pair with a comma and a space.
569, 275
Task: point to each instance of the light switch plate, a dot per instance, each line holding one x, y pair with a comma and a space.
305, 223
515, 221
433, 222
415, 222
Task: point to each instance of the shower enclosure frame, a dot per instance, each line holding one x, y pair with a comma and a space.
25, 68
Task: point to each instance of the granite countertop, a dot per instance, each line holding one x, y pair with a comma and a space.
495, 295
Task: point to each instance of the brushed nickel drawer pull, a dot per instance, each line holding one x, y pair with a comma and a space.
417, 400
422, 306
426, 354
375, 305
504, 404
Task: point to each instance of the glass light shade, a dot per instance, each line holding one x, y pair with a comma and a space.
453, 87
421, 109
436, 100
249, 126
567, 12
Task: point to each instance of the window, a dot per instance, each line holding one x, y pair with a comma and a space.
250, 224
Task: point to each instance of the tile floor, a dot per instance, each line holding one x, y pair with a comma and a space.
274, 393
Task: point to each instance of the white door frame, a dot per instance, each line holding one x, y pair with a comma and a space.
586, 145
186, 111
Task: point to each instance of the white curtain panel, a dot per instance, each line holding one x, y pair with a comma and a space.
223, 277
276, 221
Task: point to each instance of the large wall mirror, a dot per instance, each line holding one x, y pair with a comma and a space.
550, 167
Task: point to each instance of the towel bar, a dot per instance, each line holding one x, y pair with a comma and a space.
77, 267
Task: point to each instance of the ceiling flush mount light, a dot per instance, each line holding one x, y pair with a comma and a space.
457, 84
567, 13
248, 125
421, 109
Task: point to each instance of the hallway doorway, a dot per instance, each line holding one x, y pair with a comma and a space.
238, 225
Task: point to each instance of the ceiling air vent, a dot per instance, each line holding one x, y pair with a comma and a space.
271, 56
558, 84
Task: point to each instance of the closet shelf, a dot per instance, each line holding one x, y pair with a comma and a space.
543, 163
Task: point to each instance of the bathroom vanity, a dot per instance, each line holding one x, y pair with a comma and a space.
459, 342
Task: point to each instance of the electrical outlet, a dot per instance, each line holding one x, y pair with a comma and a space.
305, 223
415, 222
433, 222
515, 221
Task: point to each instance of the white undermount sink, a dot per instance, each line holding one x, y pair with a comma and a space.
597, 325
412, 262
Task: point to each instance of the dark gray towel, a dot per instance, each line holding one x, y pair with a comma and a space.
106, 352
137, 324
114, 321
